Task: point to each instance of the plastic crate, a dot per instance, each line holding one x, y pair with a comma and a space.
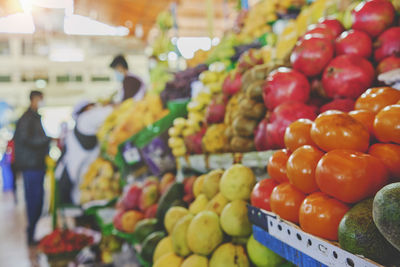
297, 246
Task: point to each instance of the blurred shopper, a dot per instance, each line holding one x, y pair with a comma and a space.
10, 151
31, 149
133, 85
81, 149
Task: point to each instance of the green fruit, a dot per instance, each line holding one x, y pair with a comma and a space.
144, 228
150, 244
358, 234
234, 219
386, 213
262, 256
195, 261
229, 255
179, 236
174, 192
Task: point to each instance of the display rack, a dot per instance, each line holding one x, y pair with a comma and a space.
298, 247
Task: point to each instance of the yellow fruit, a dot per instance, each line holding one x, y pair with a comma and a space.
179, 151
217, 204
234, 219
204, 233
173, 215
188, 131
195, 116
169, 260
175, 142
193, 125
229, 255
195, 261
179, 234
237, 182
215, 87
198, 185
215, 140
179, 123
163, 247
194, 106
211, 183
129, 220
199, 204
174, 132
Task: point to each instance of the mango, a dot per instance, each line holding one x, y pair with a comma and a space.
195, 261
211, 183
204, 233
129, 220
237, 182
199, 204
217, 204
198, 185
163, 247
169, 260
173, 215
229, 255
234, 219
179, 241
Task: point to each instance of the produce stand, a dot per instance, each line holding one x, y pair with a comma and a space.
302, 249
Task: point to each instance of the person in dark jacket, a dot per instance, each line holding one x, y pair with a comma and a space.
133, 85
31, 149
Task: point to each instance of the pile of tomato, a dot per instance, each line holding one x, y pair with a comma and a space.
333, 163
63, 241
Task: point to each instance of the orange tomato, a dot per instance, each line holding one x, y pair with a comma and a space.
320, 215
338, 130
366, 117
297, 134
286, 200
375, 99
387, 124
277, 165
349, 175
389, 154
300, 168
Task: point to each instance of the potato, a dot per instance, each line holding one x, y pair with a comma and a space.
244, 127
240, 144
255, 90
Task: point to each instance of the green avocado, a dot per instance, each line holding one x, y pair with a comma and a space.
358, 234
150, 244
144, 228
175, 192
386, 213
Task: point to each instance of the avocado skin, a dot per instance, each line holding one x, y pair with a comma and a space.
174, 193
150, 244
359, 235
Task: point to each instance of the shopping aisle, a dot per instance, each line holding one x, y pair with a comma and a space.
13, 249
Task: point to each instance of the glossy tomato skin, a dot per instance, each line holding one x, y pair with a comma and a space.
297, 134
286, 200
389, 154
366, 117
277, 165
349, 175
387, 124
338, 130
375, 99
261, 194
301, 166
321, 214
354, 42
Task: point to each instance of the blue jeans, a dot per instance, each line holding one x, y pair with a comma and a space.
34, 193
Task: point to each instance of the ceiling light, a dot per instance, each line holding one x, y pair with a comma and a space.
189, 45
17, 23
80, 25
66, 54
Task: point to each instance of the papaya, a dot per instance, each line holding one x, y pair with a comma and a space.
358, 234
144, 228
150, 244
386, 213
174, 192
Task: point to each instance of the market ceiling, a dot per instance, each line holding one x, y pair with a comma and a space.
192, 15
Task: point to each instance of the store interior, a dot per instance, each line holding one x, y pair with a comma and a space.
199, 133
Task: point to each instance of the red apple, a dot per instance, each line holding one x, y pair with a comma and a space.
148, 197
188, 185
151, 211
319, 29
387, 44
333, 24
345, 105
354, 42
388, 64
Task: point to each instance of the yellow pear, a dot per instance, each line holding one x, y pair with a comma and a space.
234, 219
229, 255
173, 215
179, 241
195, 261
211, 183
199, 204
198, 185
237, 182
163, 247
169, 260
217, 204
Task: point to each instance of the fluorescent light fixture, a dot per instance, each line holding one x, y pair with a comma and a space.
66, 54
17, 23
28, 4
189, 45
40, 84
80, 25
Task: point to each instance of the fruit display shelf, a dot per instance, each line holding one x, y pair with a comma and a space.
302, 249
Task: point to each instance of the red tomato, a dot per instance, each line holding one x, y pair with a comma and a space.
286, 200
297, 134
389, 154
366, 117
277, 165
300, 168
261, 193
338, 130
375, 99
320, 215
350, 176
387, 124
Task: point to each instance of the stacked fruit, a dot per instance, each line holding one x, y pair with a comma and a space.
64, 241
336, 161
139, 201
215, 228
100, 182
109, 245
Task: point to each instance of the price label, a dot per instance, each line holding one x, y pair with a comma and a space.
131, 154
